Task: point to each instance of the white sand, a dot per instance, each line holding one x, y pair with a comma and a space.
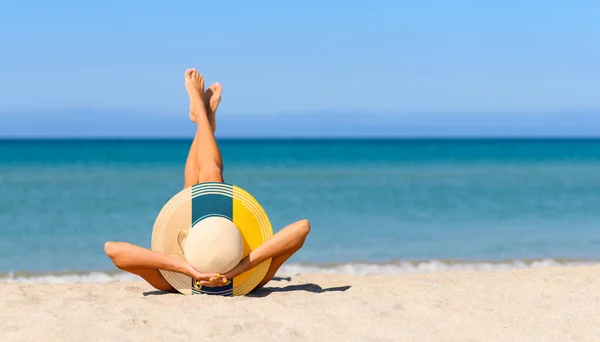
553, 304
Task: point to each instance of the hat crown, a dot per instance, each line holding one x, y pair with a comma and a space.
213, 245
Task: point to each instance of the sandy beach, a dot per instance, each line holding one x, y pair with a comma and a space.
548, 304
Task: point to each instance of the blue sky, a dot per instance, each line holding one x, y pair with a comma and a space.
373, 63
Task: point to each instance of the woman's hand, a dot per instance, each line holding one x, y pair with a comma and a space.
215, 279
218, 280
206, 279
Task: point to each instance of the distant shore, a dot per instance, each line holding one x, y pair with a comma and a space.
544, 304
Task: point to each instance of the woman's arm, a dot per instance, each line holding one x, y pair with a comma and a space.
129, 257
283, 244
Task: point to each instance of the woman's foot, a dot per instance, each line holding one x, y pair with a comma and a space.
194, 84
212, 98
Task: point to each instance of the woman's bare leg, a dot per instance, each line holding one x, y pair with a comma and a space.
206, 151
192, 169
211, 99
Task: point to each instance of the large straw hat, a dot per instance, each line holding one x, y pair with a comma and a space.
213, 226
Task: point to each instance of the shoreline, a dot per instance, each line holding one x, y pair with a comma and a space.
293, 269
543, 304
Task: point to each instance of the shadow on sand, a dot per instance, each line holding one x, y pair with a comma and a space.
266, 291
158, 293
314, 288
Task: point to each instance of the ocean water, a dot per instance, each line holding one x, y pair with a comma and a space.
376, 206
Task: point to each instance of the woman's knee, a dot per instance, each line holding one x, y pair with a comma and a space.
190, 179
212, 174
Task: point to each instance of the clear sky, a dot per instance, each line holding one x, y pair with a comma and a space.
370, 59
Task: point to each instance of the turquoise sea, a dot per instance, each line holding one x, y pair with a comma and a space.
376, 206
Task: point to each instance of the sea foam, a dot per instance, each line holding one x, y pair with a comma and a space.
357, 268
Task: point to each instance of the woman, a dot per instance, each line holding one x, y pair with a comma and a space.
204, 164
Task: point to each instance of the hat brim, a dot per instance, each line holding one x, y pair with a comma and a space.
203, 200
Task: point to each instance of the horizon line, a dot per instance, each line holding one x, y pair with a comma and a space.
316, 138
320, 110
